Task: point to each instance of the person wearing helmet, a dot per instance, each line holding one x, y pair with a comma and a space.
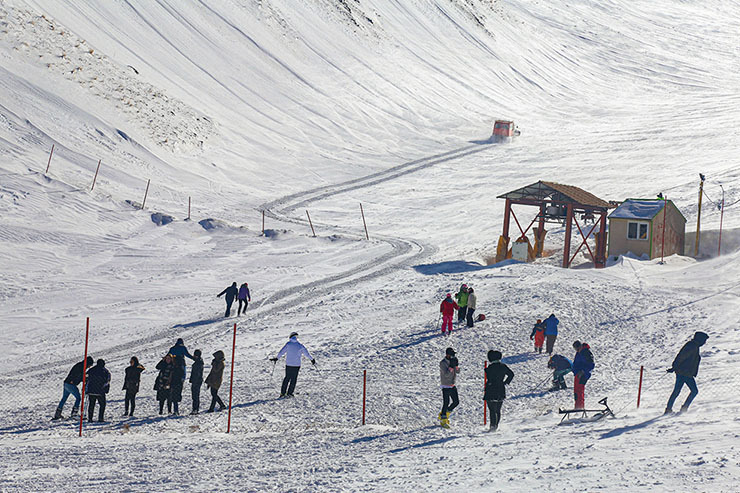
447, 309
538, 334
686, 367
448, 371
293, 351
498, 376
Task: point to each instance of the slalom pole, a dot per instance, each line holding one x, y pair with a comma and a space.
485, 382
313, 232
96, 175
84, 374
639, 388
49, 163
367, 237
146, 192
364, 394
231, 384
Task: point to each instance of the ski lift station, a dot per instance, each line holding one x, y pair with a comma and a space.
637, 226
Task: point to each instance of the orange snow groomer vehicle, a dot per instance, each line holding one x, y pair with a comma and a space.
504, 129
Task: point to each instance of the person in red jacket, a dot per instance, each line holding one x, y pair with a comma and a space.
447, 309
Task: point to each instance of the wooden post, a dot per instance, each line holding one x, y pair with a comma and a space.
231, 384
84, 374
363, 221
662, 241
364, 394
145, 194
96, 175
263, 222
639, 388
485, 382
698, 217
188, 207
310, 224
568, 231
49, 163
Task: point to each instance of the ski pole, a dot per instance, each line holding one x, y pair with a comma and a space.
438, 318
540, 384
274, 364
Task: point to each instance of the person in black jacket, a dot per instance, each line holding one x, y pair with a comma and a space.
196, 380
131, 385
74, 377
163, 382
97, 385
176, 384
686, 367
498, 376
231, 292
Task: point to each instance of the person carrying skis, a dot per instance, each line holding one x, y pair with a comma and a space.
131, 385
214, 379
293, 352
498, 376
196, 380
448, 371
583, 364
96, 386
447, 309
560, 366
244, 298
686, 367
231, 292
470, 309
74, 377
164, 381
551, 332
462, 302
178, 353
538, 334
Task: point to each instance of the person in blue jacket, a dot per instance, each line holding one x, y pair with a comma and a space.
583, 364
179, 352
551, 332
686, 367
231, 293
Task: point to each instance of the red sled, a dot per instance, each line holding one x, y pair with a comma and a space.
480, 318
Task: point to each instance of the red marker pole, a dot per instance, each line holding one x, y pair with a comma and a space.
639, 388
50, 154
231, 384
364, 394
84, 374
96, 175
485, 382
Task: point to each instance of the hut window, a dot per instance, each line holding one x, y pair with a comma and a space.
637, 231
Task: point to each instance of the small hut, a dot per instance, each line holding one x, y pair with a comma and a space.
637, 226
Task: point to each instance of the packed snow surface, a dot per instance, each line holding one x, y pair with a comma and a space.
228, 114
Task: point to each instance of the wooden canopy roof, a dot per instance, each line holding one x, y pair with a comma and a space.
544, 191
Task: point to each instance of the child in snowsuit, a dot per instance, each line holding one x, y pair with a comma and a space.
447, 309
231, 292
244, 298
560, 366
196, 380
462, 302
538, 334
164, 380
470, 309
131, 385
686, 367
214, 379
448, 370
498, 376
583, 364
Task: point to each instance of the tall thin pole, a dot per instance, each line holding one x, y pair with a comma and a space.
721, 216
363, 221
96, 175
50, 154
146, 192
485, 382
310, 224
231, 384
662, 246
364, 394
698, 218
188, 207
84, 374
639, 388
263, 222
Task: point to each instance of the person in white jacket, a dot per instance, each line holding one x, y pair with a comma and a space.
293, 352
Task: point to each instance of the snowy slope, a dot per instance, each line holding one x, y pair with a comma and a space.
287, 106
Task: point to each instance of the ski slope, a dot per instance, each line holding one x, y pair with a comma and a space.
288, 106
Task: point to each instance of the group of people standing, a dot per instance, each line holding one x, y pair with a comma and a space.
546, 330
168, 384
241, 294
465, 307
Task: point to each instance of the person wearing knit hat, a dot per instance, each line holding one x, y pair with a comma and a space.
448, 370
686, 367
498, 376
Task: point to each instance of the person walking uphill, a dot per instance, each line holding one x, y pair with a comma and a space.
498, 376
551, 332
448, 371
686, 367
462, 302
472, 301
538, 334
214, 379
293, 352
98, 384
74, 377
447, 309
231, 292
244, 298
131, 385
583, 364
196, 380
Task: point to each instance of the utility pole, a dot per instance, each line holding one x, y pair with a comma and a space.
698, 216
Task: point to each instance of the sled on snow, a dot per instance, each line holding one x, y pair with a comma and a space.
582, 414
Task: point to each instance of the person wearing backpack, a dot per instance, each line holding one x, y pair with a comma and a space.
583, 364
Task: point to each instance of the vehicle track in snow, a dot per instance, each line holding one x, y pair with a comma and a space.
403, 253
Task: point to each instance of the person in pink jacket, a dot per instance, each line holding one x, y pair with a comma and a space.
447, 309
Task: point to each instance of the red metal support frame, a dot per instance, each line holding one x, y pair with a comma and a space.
601, 244
568, 231
584, 242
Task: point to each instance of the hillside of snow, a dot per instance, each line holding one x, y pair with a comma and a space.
295, 107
